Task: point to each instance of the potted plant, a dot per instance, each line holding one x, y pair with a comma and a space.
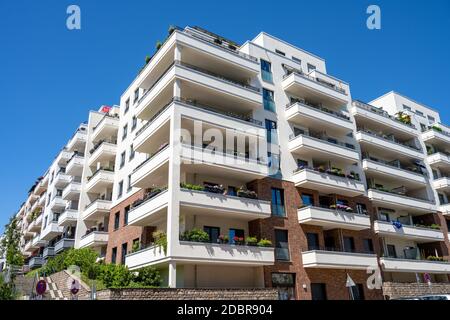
158, 45
244, 193
171, 29
251, 241
218, 41
264, 243
216, 188
223, 239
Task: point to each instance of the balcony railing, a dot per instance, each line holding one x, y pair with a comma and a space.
315, 79
317, 107
331, 172
380, 112
322, 138
390, 139
98, 170
161, 149
100, 143
113, 116
395, 164
400, 191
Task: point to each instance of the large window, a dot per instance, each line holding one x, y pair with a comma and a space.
318, 291
132, 152
268, 100
127, 106
124, 252
122, 159
116, 220
125, 215
113, 255
120, 191
266, 71
213, 233
124, 132
313, 241
368, 246
281, 245
278, 202
307, 199
271, 131
285, 284
349, 244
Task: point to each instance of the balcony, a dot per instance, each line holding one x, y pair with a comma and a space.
48, 252
194, 252
445, 208
153, 171
36, 262
100, 180
436, 135
64, 244
439, 159
315, 116
333, 219
78, 140
57, 203
75, 165
410, 265
316, 86
202, 82
151, 208
96, 210
103, 151
338, 260
386, 145
40, 188
35, 225
51, 231
384, 198
229, 163
364, 112
68, 218
62, 179
442, 184
72, 190
311, 146
385, 169
106, 128
37, 242
63, 157
408, 232
327, 183
94, 239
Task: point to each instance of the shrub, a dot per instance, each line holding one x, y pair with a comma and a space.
251, 241
84, 258
264, 243
160, 238
148, 276
115, 275
196, 235
191, 186
6, 290
55, 264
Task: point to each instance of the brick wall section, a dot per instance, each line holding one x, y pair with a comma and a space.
397, 290
333, 278
186, 294
123, 233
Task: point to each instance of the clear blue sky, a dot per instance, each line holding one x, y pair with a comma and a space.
50, 77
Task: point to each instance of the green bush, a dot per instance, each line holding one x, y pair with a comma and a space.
55, 264
6, 290
160, 238
83, 258
148, 276
190, 186
251, 241
195, 235
115, 275
264, 243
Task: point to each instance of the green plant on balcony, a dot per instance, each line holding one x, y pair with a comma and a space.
251, 241
436, 128
195, 235
431, 226
171, 29
264, 243
245, 193
435, 258
223, 239
158, 45
136, 246
147, 59
189, 186
403, 117
160, 240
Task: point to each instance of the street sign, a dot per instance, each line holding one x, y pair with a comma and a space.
75, 287
41, 287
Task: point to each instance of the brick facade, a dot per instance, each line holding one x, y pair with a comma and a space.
334, 279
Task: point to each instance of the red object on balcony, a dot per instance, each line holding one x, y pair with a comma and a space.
105, 109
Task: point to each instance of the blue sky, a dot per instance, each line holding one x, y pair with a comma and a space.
51, 77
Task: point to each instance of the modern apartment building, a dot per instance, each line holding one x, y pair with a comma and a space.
252, 141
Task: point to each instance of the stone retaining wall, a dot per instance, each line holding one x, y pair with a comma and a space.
186, 294
395, 290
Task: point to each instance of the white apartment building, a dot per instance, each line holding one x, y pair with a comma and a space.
252, 140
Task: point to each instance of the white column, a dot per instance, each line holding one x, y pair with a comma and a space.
177, 53
177, 88
172, 274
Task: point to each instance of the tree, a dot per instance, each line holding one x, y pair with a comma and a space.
10, 244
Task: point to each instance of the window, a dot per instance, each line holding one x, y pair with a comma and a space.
368, 245
132, 152
318, 291
311, 67
125, 215
119, 193
285, 284
271, 131
129, 183
232, 191
116, 220
136, 245
278, 202
313, 241
124, 132
405, 107
299, 61
127, 105
136, 95
302, 164
133, 123
266, 71
235, 233
124, 252
122, 159
281, 245
431, 119
114, 255
361, 208
419, 113
391, 253
280, 52
268, 100
357, 292
441, 199
213, 233
349, 244
307, 199
273, 162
